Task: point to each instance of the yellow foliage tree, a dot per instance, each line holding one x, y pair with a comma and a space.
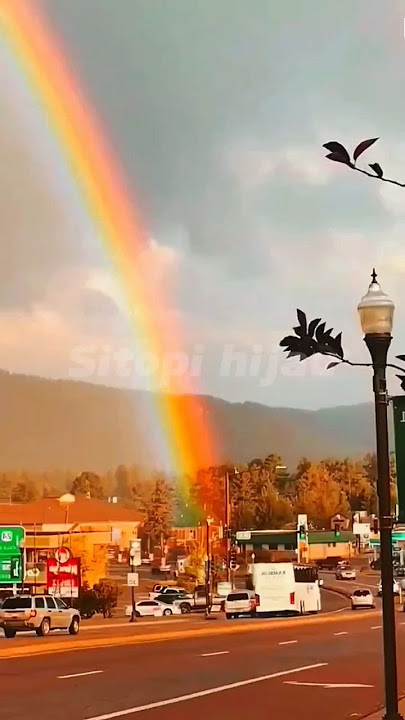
320, 496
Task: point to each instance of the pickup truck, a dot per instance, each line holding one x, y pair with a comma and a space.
330, 563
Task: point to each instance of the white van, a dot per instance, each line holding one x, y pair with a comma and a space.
285, 588
240, 602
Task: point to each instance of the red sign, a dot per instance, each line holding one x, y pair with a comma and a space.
63, 574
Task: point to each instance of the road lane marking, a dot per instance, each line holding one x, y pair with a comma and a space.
221, 652
288, 642
376, 627
328, 686
204, 693
193, 631
91, 672
341, 633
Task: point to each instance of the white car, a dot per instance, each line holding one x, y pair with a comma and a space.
175, 592
395, 588
153, 608
240, 602
362, 599
345, 573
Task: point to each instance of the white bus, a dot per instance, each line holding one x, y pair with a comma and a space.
285, 588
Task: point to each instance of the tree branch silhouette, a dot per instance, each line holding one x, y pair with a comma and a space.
338, 153
311, 338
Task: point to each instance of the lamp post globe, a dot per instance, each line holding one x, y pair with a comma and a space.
376, 310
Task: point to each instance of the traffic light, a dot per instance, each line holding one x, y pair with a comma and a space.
337, 530
302, 532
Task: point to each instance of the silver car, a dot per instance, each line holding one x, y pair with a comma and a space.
41, 613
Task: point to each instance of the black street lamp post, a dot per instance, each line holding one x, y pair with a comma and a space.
376, 312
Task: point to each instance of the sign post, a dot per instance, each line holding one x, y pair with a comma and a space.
399, 432
132, 577
11, 556
302, 535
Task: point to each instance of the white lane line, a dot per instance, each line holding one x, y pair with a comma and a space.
288, 642
91, 672
221, 652
204, 693
376, 627
135, 626
341, 633
328, 685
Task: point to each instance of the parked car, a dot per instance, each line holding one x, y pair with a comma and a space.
345, 573
154, 608
395, 588
41, 613
168, 590
240, 602
362, 599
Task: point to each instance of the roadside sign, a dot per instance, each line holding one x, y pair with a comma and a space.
243, 535
63, 574
135, 552
399, 433
133, 579
11, 563
302, 521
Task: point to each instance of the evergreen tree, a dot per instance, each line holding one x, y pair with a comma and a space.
88, 484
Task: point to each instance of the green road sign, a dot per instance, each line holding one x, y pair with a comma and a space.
399, 431
11, 565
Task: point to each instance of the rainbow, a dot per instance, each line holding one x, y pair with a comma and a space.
107, 198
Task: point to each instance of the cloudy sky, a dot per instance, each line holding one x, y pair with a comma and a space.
218, 111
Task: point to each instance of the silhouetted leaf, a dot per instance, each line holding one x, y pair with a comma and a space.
332, 365
337, 157
361, 147
401, 357
288, 340
336, 148
320, 331
337, 345
302, 319
312, 325
300, 331
377, 169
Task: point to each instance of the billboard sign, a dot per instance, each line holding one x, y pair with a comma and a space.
63, 574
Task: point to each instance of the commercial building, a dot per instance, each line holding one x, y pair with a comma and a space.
320, 543
88, 527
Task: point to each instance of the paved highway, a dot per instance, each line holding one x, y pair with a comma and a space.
288, 670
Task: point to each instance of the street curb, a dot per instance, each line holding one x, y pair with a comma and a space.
208, 631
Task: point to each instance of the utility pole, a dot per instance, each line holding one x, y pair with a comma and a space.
208, 569
227, 526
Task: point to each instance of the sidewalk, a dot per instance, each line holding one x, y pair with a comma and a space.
380, 713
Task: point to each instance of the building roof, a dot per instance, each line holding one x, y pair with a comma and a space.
49, 511
289, 537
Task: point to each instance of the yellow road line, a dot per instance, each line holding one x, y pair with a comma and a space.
208, 631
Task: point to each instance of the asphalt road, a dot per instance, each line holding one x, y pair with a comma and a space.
297, 671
